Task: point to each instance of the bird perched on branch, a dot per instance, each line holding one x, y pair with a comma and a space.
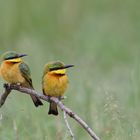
14, 70
54, 82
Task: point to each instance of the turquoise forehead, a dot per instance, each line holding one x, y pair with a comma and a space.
9, 55
56, 64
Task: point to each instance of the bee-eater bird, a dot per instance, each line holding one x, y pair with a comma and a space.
54, 82
14, 70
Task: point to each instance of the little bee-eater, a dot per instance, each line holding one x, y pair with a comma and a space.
14, 70
54, 82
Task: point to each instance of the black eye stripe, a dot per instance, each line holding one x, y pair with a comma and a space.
51, 69
11, 57
61, 67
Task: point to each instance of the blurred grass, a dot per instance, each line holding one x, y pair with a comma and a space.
102, 39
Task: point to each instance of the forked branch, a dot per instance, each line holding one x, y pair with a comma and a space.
10, 87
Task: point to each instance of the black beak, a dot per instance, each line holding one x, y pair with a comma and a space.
22, 55
64, 67
67, 66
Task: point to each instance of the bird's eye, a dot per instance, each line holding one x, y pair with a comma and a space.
10, 57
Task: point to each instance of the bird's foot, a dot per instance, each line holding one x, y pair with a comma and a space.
19, 84
62, 97
5, 85
49, 98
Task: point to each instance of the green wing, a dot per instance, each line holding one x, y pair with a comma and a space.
25, 71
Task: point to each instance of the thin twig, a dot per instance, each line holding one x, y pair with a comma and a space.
76, 117
15, 130
68, 126
73, 115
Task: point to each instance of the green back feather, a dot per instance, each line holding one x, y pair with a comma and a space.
25, 71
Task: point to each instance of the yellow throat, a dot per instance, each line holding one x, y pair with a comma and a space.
14, 60
61, 71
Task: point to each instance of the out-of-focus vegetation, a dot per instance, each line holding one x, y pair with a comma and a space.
101, 38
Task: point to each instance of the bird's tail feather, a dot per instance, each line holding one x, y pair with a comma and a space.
36, 101
53, 108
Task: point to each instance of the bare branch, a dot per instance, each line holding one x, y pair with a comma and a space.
68, 126
73, 115
5, 94
76, 117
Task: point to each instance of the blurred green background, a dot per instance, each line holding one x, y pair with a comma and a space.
101, 38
